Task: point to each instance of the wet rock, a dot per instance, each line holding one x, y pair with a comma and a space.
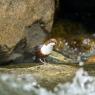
25, 84
47, 75
59, 58
74, 40
91, 60
16, 15
88, 57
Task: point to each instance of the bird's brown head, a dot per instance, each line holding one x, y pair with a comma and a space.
52, 41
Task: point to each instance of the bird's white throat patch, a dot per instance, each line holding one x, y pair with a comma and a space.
46, 49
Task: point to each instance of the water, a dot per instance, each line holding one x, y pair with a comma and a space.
81, 84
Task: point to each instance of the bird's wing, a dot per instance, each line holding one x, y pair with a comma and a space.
36, 49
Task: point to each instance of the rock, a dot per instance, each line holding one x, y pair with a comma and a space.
91, 60
59, 58
35, 35
15, 15
74, 41
47, 75
44, 78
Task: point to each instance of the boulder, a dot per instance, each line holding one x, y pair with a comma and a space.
16, 15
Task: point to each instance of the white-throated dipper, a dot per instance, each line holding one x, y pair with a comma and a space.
42, 51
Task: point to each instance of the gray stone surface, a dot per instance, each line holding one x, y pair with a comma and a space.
16, 15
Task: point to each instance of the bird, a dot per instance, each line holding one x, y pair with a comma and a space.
44, 50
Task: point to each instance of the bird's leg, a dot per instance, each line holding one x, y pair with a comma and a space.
36, 59
43, 61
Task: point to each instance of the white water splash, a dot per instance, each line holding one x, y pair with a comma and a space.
82, 84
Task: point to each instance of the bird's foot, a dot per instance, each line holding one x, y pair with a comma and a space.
43, 61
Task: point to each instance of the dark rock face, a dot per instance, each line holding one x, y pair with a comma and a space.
15, 15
